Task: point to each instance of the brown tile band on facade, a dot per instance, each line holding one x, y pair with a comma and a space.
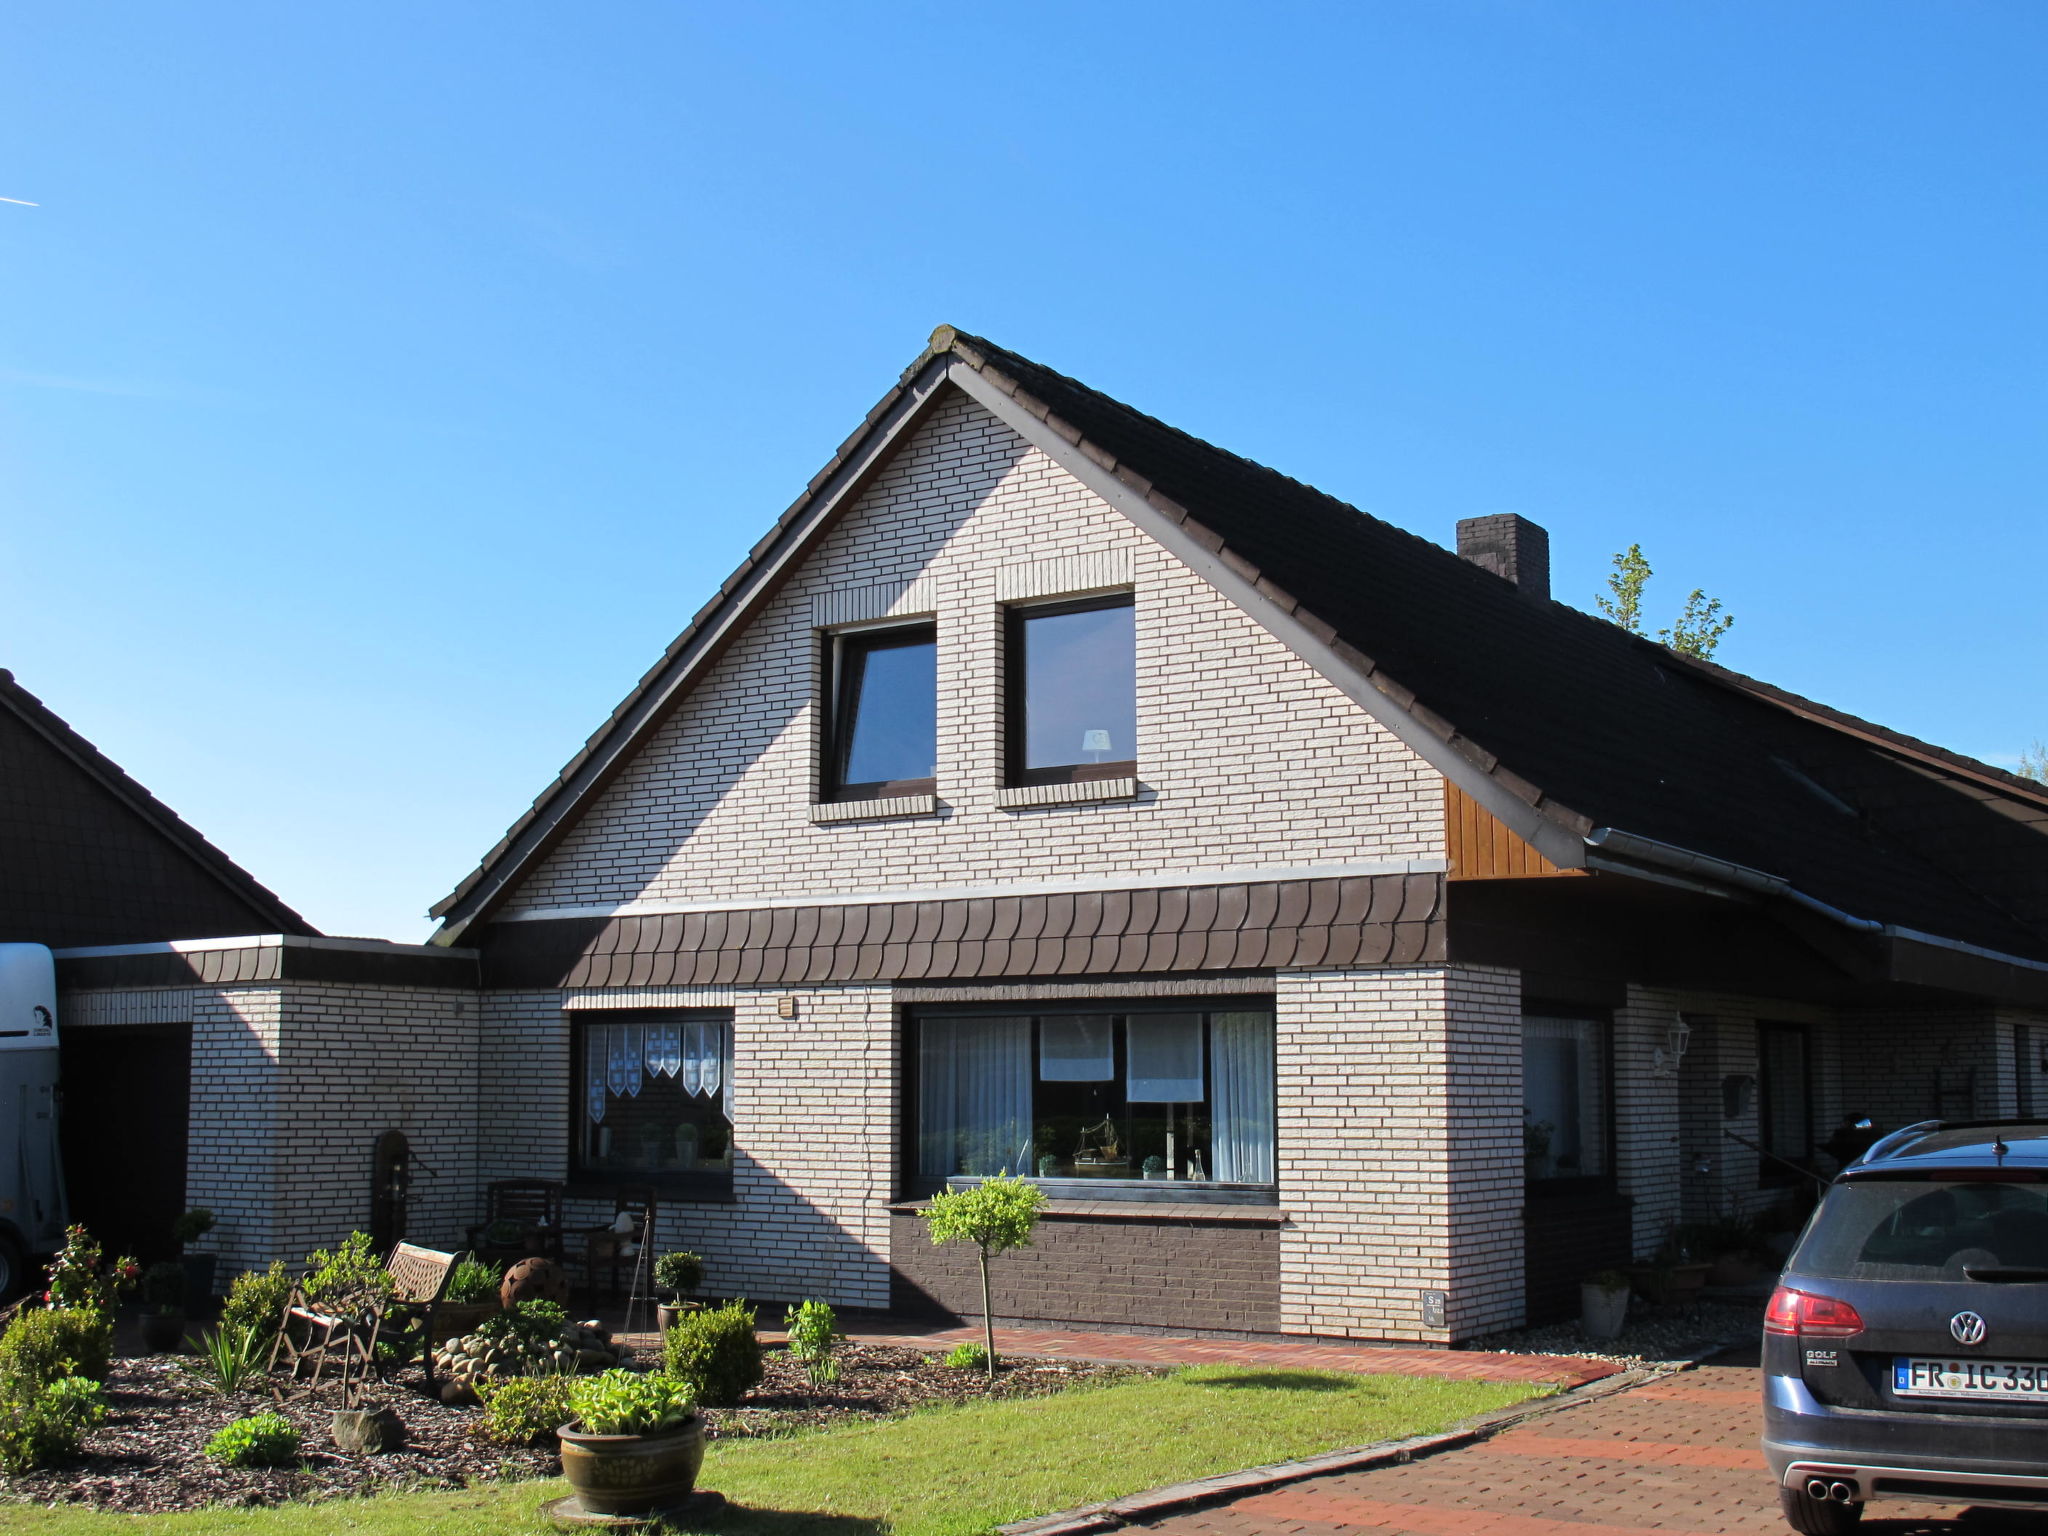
1365, 920
287, 961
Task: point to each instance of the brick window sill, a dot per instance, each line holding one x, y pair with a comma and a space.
875, 810
1084, 793
1141, 1210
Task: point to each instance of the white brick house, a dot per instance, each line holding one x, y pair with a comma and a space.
1416, 940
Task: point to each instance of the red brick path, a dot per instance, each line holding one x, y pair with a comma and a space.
1676, 1456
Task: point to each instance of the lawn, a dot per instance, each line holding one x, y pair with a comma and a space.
942, 1472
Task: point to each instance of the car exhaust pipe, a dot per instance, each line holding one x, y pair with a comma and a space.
1822, 1491
1817, 1489
1842, 1493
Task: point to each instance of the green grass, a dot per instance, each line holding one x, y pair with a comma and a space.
946, 1472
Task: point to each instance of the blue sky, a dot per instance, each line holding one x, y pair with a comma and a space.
383, 386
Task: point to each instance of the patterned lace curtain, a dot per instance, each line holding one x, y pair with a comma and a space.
619, 1059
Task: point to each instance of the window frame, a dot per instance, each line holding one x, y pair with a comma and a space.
696, 1185
1015, 616
1771, 1174
835, 715
913, 1185
1606, 1181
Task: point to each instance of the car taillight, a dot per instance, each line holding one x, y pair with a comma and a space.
1800, 1312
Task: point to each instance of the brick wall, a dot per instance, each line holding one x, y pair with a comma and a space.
1400, 1150
1200, 1276
1247, 756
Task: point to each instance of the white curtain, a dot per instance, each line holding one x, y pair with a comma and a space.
1076, 1048
974, 1096
596, 1039
1165, 1058
619, 1058
1561, 1095
1241, 1097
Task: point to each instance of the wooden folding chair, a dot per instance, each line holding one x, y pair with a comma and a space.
348, 1344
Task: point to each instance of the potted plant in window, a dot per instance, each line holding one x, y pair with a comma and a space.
635, 1444
163, 1297
199, 1267
675, 1276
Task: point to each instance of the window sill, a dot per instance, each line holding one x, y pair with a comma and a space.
1139, 1210
875, 810
1083, 793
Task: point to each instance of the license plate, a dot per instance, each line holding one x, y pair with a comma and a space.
2023, 1381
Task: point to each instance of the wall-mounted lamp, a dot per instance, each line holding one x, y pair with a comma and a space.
1665, 1058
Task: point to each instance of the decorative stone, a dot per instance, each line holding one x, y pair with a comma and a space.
366, 1431
534, 1280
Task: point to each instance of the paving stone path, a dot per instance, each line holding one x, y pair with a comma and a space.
1677, 1456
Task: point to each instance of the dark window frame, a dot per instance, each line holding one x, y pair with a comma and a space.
1771, 1174
696, 1186
836, 712
1606, 1181
1015, 774
912, 1185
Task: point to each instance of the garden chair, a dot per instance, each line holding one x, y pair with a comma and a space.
419, 1281
311, 1339
522, 1218
606, 1247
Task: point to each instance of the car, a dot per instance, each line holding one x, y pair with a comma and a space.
1905, 1349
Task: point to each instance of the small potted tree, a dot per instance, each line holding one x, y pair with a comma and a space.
163, 1300
675, 1276
199, 1267
1603, 1304
635, 1444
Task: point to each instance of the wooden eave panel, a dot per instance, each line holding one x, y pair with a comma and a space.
1479, 847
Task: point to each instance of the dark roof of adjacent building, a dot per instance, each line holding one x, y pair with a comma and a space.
88, 856
1597, 729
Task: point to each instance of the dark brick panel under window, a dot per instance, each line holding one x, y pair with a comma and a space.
1198, 1275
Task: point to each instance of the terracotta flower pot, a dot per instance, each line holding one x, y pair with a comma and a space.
633, 1474
452, 1319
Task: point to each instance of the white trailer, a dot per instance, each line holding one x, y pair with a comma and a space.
31, 1172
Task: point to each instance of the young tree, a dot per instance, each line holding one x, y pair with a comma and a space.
2034, 763
1700, 625
995, 1215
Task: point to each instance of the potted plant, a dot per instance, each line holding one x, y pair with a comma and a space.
199, 1267
1603, 1304
675, 1276
635, 1444
163, 1298
470, 1300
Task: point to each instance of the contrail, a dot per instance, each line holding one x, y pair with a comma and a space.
22, 201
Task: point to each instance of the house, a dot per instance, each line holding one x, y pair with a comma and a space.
1353, 940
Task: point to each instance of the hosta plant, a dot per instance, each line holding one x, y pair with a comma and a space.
628, 1403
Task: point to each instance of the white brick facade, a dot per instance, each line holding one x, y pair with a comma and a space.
1247, 757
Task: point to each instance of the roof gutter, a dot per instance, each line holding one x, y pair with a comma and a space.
1612, 849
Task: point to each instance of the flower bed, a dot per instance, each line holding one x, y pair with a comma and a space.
148, 1456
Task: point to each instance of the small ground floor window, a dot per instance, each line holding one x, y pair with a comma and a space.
1564, 1098
653, 1097
1784, 1102
1141, 1097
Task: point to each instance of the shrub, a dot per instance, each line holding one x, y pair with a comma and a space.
347, 1279
163, 1286
681, 1273
814, 1338
261, 1440
531, 1322
525, 1410
82, 1276
41, 1347
627, 1403
229, 1358
192, 1226
256, 1301
716, 1352
473, 1281
966, 1357
46, 1424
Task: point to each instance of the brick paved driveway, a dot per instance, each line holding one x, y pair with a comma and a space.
1678, 1455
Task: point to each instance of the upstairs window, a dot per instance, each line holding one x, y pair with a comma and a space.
882, 729
1073, 691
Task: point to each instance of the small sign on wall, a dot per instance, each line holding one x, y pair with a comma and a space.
1434, 1304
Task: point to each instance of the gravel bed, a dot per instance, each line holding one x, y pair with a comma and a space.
148, 1457
1652, 1334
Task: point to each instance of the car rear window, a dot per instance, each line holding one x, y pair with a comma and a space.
1921, 1230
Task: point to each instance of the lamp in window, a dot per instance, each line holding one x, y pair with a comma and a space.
1665, 1058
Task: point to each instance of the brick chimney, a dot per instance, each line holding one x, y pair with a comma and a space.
1509, 546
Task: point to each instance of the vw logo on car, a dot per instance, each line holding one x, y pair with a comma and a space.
1967, 1328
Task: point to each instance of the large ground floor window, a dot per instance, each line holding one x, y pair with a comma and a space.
1125, 1099
653, 1098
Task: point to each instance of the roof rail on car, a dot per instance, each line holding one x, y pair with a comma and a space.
1889, 1143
